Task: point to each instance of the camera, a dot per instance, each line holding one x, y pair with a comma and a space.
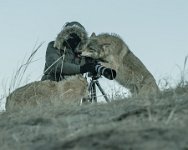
101, 70
106, 72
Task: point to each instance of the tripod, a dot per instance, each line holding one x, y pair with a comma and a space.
92, 89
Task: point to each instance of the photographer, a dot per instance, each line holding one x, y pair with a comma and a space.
62, 57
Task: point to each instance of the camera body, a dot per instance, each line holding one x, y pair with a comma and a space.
100, 70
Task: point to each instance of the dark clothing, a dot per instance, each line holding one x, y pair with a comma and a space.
56, 68
61, 55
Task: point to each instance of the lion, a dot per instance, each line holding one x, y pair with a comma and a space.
113, 53
41, 93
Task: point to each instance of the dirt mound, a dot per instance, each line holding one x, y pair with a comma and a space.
129, 124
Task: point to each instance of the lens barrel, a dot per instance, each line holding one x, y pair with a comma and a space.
106, 72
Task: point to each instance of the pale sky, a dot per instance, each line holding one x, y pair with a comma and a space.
155, 30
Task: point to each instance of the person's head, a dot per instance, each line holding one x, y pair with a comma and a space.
73, 36
74, 23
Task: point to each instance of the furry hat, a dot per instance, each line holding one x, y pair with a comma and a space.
68, 29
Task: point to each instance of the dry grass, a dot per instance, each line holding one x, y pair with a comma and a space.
134, 123
18, 77
183, 71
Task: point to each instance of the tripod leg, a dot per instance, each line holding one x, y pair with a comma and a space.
90, 89
93, 92
102, 91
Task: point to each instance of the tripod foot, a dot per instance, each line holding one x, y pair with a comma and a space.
85, 101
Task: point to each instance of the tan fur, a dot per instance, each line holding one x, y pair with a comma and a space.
39, 93
131, 72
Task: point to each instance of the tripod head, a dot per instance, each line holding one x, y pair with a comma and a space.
94, 76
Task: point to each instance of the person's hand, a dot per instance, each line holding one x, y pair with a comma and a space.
88, 67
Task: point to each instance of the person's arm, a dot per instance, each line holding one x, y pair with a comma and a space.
56, 64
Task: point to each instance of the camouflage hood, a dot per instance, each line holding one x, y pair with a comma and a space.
63, 36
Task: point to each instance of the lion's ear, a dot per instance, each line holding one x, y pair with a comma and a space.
93, 34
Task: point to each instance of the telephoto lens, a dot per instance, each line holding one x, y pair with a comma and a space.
106, 72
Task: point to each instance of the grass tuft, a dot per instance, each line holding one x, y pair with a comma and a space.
18, 76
